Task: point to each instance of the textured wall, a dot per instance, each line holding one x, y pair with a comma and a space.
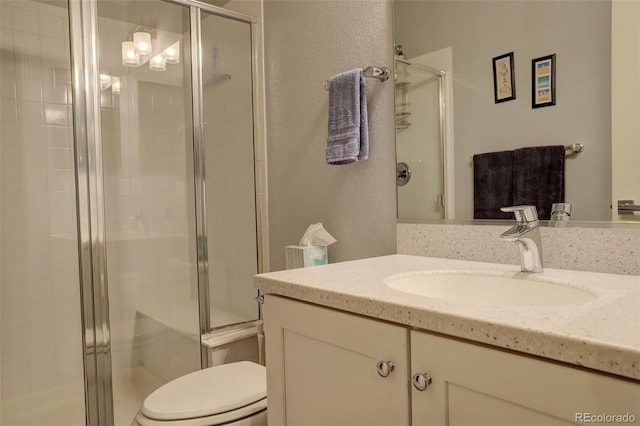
305, 43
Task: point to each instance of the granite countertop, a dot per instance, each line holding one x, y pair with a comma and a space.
603, 334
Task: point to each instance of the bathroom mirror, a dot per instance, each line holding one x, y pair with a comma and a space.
442, 121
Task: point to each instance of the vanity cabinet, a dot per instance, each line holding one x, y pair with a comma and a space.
322, 369
482, 386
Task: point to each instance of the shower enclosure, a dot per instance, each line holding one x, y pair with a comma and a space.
130, 201
423, 135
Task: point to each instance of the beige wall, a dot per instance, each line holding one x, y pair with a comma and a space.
577, 31
305, 43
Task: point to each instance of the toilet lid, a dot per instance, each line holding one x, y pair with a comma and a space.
207, 392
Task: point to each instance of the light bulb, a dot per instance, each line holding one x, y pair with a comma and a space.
142, 43
129, 56
172, 53
158, 63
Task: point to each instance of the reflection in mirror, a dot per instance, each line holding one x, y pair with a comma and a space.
472, 33
420, 144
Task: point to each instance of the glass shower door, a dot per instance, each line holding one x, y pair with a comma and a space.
146, 119
419, 142
41, 374
116, 218
227, 105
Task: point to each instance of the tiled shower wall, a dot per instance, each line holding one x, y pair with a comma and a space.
41, 336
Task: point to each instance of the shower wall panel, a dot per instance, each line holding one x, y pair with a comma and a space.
41, 343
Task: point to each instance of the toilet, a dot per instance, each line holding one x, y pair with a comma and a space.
231, 394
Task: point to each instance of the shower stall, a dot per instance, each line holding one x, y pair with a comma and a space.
424, 135
132, 200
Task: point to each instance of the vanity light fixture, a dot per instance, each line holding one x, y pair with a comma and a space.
158, 63
129, 56
172, 53
142, 44
138, 50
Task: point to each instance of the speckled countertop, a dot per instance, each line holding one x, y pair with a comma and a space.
603, 334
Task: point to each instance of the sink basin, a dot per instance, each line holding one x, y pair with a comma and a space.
489, 288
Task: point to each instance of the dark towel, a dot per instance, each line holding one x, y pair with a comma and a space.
538, 177
492, 184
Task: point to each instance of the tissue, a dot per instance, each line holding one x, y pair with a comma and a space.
311, 250
316, 235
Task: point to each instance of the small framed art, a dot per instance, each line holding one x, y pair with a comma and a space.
543, 81
504, 81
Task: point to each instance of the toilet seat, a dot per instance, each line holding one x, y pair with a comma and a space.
207, 397
254, 412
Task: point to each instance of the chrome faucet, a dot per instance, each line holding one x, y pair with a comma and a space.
526, 233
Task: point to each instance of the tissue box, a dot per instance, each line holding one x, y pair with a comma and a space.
301, 256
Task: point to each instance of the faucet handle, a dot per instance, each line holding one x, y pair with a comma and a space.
523, 214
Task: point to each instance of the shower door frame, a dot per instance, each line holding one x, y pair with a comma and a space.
445, 127
199, 153
90, 202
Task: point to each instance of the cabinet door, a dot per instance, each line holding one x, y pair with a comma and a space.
321, 367
476, 385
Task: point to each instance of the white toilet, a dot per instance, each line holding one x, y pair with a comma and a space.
231, 394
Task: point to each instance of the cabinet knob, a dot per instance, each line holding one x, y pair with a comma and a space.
384, 368
421, 381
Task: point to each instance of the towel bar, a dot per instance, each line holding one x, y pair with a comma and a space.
575, 148
627, 207
379, 73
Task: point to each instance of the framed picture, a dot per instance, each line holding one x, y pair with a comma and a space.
504, 80
543, 81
